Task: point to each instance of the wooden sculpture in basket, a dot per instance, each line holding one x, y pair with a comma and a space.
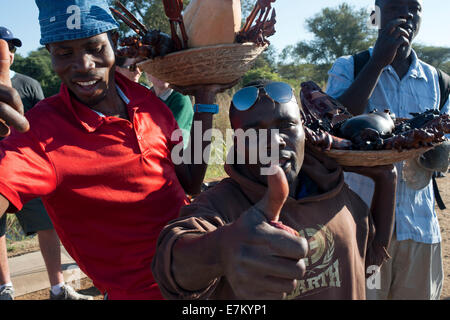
328, 125
154, 43
262, 28
151, 43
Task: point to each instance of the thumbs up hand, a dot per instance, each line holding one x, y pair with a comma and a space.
259, 258
274, 199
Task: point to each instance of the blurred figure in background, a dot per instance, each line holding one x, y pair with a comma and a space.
127, 67
179, 104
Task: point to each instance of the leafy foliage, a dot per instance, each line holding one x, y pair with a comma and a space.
438, 57
38, 65
337, 31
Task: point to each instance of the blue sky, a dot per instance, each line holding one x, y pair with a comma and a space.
21, 17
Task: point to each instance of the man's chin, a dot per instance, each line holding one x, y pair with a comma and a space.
404, 52
89, 101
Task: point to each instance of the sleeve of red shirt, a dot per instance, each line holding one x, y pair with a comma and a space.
26, 172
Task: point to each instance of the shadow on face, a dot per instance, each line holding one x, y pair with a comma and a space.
268, 131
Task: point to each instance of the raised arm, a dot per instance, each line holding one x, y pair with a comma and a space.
191, 173
382, 209
357, 96
4, 204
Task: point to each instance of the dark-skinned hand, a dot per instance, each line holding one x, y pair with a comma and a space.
392, 37
11, 111
262, 261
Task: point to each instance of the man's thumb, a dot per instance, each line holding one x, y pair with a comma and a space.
276, 195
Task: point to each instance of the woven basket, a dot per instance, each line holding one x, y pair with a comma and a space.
219, 64
352, 158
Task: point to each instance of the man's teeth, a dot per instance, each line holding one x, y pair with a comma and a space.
89, 83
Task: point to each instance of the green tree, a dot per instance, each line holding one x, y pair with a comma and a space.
446, 67
438, 57
336, 32
38, 65
260, 73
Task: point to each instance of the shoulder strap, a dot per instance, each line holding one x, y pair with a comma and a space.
360, 59
444, 86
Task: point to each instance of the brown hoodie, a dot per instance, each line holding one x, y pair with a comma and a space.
336, 224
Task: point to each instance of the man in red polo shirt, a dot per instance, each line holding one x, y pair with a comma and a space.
98, 153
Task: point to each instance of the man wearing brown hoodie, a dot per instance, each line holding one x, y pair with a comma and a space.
226, 245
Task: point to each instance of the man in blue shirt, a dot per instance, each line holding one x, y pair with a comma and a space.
394, 78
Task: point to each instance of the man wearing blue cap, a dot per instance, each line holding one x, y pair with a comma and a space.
98, 153
33, 218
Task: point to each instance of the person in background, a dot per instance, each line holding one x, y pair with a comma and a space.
127, 67
393, 77
33, 217
179, 104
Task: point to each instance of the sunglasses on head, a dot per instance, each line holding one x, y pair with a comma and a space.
279, 92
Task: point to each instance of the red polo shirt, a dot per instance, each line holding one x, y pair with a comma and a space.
108, 184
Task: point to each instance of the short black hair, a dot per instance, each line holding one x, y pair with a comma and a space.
258, 83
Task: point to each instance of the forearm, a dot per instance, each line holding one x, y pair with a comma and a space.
383, 207
196, 260
357, 96
4, 204
193, 172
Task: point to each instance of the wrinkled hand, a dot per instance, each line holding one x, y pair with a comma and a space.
262, 261
376, 255
390, 39
11, 111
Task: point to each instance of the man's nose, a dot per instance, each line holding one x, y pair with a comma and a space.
277, 138
84, 63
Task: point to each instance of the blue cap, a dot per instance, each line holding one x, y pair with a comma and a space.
64, 20
7, 35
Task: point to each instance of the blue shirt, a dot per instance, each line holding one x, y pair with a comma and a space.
418, 91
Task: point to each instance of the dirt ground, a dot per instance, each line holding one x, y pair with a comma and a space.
444, 221
85, 286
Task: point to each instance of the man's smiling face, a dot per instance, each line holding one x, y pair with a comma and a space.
85, 66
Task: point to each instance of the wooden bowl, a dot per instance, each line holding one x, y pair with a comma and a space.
220, 64
353, 158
